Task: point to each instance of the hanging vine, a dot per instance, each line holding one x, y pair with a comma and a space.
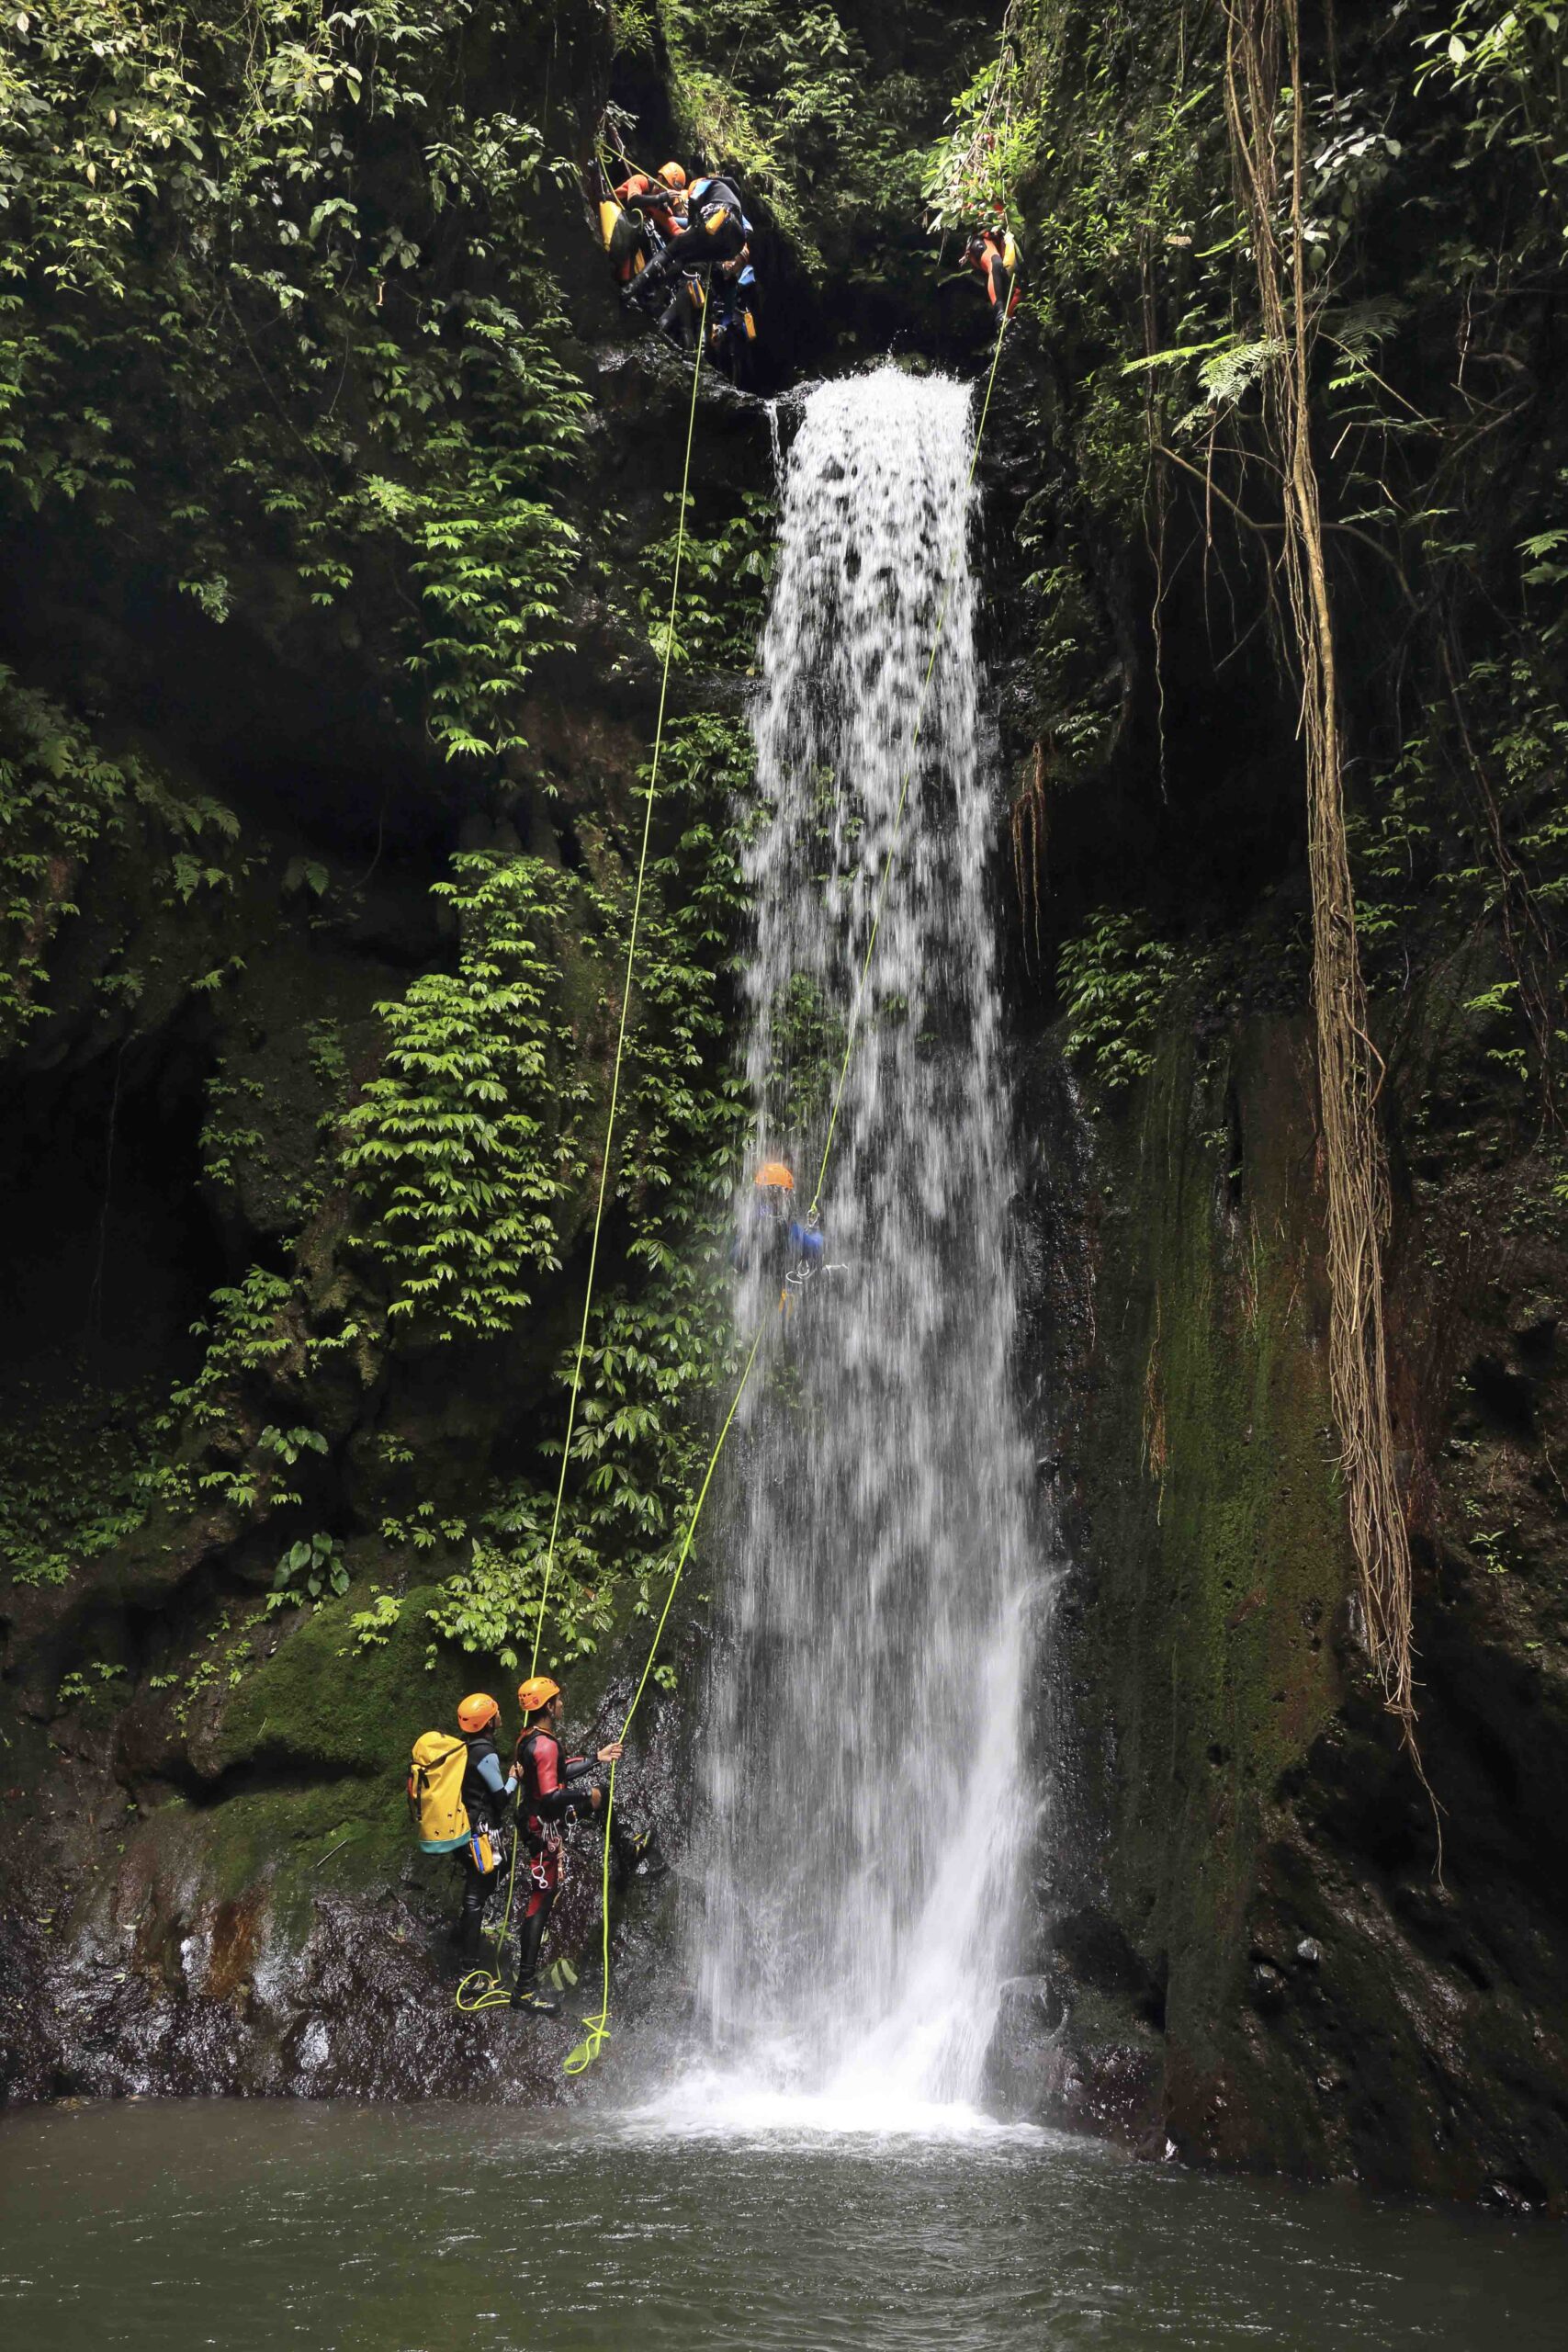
1263, 100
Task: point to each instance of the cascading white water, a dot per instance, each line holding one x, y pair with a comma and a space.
864, 1809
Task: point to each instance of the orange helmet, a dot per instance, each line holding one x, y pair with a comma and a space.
536, 1692
671, 174
773, 1171
477, 1711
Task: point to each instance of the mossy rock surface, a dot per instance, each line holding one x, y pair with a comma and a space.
322, 1704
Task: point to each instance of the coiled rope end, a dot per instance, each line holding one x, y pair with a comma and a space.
579, 2060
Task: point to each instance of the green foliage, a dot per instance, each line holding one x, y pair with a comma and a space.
249, 1329
372, 1628
79, 1472
724, 585
58, 794
80, 1685
311, 1570
464, 1147
974, 171
289, 1444
343, 330
225, 1143
659, 1343
1113, 980
1506, 65
780, 99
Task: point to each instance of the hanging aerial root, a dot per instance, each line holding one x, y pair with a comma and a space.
1263, 71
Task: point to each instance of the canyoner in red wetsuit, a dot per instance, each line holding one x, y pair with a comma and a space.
652, 210
554, 1790
994, 254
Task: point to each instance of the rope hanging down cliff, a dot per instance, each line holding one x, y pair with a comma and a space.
625, 1007
597, 2024
482, 1988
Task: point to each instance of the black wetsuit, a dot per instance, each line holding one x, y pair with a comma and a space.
486, 1803
718, 233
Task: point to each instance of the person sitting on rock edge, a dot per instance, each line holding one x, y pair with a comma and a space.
652, 211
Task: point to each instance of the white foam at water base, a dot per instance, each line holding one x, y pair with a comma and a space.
708, 2105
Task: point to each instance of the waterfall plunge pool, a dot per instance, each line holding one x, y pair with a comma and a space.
177, 2225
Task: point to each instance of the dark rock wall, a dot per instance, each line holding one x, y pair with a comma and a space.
1249, 1954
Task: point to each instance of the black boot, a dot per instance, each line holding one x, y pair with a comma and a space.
525, 1994
650, 289
469, 1921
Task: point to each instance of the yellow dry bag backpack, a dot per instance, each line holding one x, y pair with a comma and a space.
435, 1792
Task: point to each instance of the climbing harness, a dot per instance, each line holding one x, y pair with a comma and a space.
597, 2024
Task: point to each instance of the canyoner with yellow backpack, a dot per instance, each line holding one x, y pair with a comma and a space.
435, 1793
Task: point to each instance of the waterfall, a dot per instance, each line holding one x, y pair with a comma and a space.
864, 1813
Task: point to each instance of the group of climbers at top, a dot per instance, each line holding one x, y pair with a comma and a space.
682, 253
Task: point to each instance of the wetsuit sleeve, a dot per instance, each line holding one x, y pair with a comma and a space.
490, 1773
555, 1798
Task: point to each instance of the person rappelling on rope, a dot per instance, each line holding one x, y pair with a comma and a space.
650, 211
718, 232
773, 1241
993, 252
732, 318
555, 1790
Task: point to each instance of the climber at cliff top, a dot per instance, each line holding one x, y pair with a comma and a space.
993, 252
718, 232
652, 209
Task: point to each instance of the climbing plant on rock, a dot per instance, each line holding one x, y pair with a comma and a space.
1263, 85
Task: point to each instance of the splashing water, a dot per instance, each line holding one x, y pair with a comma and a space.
864, 1800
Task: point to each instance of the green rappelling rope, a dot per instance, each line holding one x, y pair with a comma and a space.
625, 999
490, 1993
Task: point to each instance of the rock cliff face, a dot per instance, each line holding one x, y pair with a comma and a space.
268, 577
1253, 1957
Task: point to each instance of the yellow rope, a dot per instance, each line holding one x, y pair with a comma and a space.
852, 1034
493, 1993
597, 2025
625, 1001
